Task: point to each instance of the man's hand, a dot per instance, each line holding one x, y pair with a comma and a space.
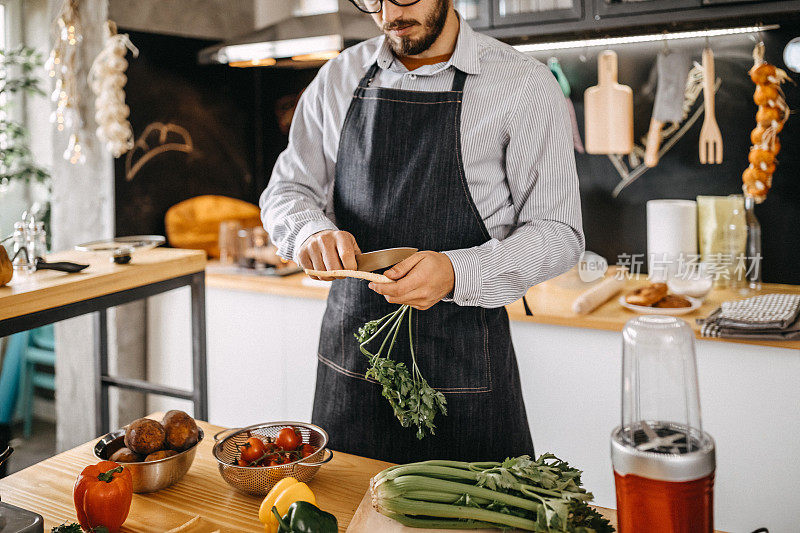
329, 250
420, 280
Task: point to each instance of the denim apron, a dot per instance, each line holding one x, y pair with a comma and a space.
399, 181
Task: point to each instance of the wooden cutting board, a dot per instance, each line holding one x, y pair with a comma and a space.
368, 520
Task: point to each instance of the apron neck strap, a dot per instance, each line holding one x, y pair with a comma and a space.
367, 79
459, 77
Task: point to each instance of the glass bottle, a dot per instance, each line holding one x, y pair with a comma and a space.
734, 244
20, 259
753, 250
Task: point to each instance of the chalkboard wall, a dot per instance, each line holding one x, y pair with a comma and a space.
195, 128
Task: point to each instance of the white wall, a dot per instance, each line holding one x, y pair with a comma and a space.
262, 360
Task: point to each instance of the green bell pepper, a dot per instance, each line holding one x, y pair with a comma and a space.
304, 517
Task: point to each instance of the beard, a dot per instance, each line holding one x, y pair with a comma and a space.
433, 25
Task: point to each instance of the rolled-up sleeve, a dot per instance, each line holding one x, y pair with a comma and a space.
547, 238
293, 204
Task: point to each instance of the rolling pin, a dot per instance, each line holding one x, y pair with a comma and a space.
599, 294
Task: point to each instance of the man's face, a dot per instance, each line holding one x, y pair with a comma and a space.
412, 29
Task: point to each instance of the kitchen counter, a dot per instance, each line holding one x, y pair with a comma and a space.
46, 488
550, 302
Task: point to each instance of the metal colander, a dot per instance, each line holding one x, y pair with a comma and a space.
258, 480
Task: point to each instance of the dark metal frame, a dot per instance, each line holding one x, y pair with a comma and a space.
100, 305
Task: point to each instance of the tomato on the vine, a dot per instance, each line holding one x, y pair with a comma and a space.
252, 450
306, 450
289, 439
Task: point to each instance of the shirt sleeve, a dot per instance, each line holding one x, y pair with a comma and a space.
547, 239
293, 204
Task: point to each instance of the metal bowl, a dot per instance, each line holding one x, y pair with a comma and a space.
258, 480
153, 475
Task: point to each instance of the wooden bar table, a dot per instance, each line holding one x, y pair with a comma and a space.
34, 300
46, 488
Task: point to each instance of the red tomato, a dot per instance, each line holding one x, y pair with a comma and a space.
252, 450
241, 462
307, 450
289, 439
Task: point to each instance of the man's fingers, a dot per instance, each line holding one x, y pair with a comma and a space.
317, 261
330, 255
345, 247
403, 267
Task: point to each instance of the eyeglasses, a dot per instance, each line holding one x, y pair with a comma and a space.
375, 6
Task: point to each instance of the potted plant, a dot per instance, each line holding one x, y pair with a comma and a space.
19, 69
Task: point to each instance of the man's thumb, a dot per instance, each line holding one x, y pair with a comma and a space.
403, 267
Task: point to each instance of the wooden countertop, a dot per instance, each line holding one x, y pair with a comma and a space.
46, 488
47, 288
550, 301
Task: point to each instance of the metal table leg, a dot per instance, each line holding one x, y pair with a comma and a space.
199, 371
101, 406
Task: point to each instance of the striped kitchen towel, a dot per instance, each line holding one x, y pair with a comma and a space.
768, 316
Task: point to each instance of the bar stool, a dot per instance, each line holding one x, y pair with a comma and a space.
38, 352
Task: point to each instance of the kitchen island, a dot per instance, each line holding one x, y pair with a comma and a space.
46, 488
263, 335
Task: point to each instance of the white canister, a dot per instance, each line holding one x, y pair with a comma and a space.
671, 236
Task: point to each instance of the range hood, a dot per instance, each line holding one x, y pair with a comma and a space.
317, 31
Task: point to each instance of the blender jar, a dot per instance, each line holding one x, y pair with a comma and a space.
663, 461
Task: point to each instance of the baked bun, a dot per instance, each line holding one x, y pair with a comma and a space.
648, 295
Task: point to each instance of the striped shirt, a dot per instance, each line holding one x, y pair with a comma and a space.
517, 153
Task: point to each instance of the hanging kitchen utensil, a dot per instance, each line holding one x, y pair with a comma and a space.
608, 110
558, 72
710, 136
672, 68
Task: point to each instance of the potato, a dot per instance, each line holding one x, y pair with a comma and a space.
125, 455
163, 454
145, 436
181, 430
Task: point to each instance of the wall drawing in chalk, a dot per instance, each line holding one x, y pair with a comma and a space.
194, 131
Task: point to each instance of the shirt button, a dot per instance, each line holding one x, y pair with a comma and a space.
412, 76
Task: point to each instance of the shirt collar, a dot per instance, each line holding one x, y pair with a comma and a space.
464, 58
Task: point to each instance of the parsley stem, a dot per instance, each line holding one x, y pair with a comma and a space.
363, 345
396, 329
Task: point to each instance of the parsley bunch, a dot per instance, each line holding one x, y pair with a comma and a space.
414, 401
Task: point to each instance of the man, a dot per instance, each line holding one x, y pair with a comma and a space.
439, 138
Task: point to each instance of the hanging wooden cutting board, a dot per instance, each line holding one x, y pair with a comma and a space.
608, 110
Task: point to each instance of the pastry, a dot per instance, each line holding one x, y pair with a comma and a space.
673, 301
647, 295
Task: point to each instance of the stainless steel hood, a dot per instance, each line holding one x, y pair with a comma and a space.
306, 39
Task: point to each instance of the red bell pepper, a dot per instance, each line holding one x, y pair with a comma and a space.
103, 494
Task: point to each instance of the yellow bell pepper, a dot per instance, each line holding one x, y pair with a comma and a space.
265, 511
283, 494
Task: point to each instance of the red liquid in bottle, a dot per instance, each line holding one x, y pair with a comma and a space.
652, 506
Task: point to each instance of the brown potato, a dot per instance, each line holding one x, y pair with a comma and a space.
181, 430
125, 455
145, 436
163, 454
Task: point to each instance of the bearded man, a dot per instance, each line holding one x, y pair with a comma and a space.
439, 138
